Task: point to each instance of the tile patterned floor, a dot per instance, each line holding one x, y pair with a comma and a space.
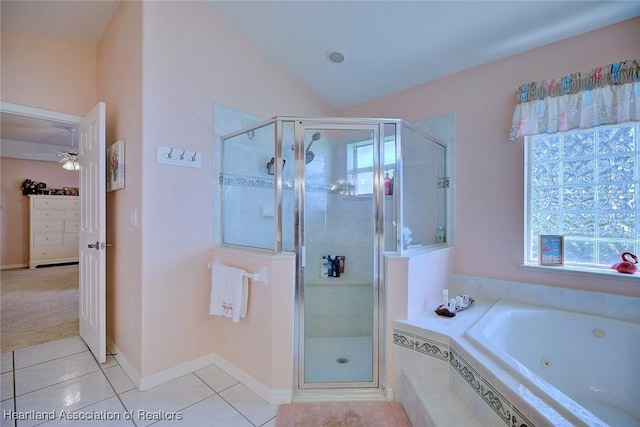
61, 384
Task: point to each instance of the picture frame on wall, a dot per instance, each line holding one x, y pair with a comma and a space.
551, 249
115, 166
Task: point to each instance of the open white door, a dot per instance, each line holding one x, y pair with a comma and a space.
93, 231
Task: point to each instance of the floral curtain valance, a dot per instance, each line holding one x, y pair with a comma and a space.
605, 95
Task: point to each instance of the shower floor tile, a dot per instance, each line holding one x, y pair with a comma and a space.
323, 356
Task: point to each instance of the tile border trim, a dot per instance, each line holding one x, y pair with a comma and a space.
489, 394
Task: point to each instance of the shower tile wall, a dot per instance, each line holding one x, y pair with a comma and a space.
338, 310
225, 121
336, 224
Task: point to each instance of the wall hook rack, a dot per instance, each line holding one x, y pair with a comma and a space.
165, 156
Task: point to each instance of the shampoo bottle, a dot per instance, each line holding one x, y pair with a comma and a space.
329, 266
387, 184
324, 267
336, 266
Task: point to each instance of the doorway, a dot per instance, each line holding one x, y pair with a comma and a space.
338, 270
50, 310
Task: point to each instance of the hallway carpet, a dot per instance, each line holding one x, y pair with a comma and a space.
342, 415
38, 305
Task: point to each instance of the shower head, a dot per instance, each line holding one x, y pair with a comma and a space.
308, 155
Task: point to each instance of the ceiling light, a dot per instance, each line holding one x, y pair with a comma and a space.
71, 165
71, 156
335, 56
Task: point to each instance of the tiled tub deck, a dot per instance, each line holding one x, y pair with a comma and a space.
442, 379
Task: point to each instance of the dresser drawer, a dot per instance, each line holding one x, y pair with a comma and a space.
47, 226
43, 239
71, 214
71, 239
71, 226
54, 252
48, 204
72, 203
48, 214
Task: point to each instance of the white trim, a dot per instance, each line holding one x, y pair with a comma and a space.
273, 396
582, 271
176, 372
342, 395
39, 113
10, 266
124, 363
150, 381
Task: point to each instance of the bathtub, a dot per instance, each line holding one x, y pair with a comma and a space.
585, 367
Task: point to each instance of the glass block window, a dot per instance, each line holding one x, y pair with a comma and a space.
584, 184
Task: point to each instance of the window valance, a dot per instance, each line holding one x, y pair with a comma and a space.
605, 95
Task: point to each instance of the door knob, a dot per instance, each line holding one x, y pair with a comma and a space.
98, 245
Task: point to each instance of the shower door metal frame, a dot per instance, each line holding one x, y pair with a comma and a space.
378, 362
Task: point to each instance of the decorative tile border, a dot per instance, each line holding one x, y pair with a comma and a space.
236, 180
403, 339
245, 181
505, 410
432, 348
488, 393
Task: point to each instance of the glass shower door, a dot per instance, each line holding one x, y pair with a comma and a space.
339, 280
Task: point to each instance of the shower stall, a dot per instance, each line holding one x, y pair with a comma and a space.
342, 194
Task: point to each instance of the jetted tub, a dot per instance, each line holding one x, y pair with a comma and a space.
585, 367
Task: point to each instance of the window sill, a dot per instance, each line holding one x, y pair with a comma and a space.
586, 272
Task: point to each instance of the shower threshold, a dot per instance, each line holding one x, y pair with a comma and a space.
340, 395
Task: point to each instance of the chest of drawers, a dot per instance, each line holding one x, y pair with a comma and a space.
54, 226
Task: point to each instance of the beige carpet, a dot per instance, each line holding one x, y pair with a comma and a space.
38, 306
386, 414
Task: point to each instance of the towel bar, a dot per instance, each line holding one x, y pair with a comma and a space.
262, 275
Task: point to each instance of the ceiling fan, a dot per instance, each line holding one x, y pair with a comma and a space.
70, 156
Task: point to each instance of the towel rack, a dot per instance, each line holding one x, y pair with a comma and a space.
262, 275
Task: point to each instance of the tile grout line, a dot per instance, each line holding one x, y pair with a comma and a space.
58, 383
222, 397
115, 393
50, 360
13, 375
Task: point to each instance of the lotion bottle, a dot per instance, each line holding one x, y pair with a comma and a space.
324, 267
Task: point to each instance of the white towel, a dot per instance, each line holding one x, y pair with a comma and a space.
229, 292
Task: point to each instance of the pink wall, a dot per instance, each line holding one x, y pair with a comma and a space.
120, 87
489, 181
192, 59
160, 67
14, 215
49, 73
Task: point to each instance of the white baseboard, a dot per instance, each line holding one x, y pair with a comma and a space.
124, 363
273, 396
12, 266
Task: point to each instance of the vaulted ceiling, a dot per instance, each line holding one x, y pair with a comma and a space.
387, 46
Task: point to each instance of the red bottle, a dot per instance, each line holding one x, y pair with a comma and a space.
387, 185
